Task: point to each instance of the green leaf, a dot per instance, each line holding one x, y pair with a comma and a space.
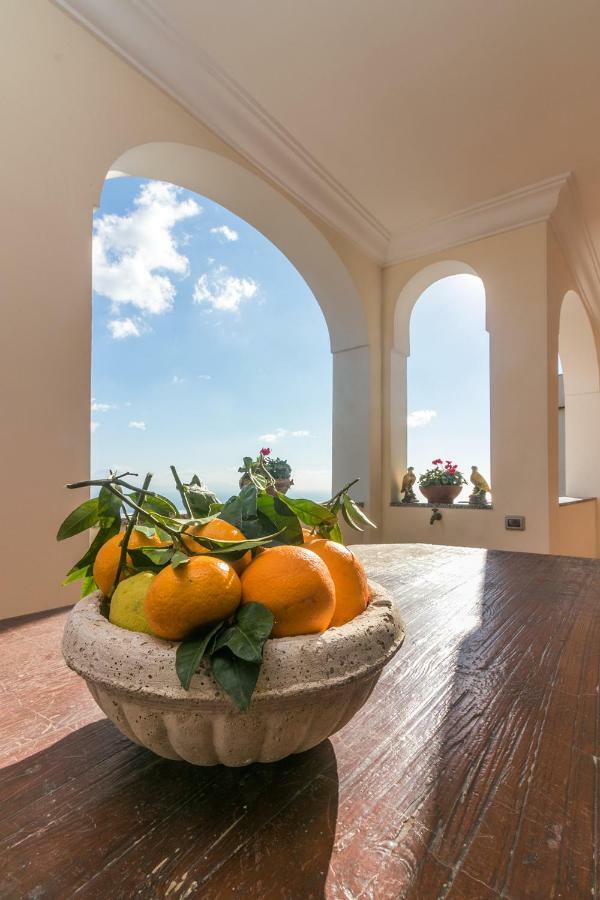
147, 530
109, 505
231, 549
248, 497
76, 574
88, 585
358, 513
246, 638
236, 676
157, 504
189, 656
282, 517
199, 498
335, 534
308, 511
90, 554
179, 559
348, 515
232, 512
158, 556
85, 516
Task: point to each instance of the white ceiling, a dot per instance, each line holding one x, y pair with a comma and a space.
387, 116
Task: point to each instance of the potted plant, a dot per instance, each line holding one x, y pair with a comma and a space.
442, 483
281, 472
277, 470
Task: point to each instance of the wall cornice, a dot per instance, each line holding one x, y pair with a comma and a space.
525, 206
138, 31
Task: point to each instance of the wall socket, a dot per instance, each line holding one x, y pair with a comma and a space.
514, 523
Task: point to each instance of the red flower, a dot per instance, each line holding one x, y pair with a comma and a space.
436, 462
265, 451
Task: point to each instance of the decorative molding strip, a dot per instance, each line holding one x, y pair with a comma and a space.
534, 203
138, 32
572, 233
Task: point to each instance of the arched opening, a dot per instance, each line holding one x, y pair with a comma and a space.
578, 355
243, 194
440, 374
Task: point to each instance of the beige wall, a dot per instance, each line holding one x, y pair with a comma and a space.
513, 269
74, 108
577, 529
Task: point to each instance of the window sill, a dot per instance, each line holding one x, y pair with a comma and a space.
461, 505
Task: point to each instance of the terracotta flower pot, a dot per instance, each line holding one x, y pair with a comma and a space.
309, 686
283, 484
441, 493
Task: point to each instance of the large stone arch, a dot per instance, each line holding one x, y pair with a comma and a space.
285, 225
405, 302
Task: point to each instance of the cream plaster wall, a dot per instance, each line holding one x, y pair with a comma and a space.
574, 333
513, 268
577, 529
74, 108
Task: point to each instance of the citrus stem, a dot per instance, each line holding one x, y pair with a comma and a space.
344, 490
181, 489
127, 534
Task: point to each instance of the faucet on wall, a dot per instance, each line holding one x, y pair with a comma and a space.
436, 516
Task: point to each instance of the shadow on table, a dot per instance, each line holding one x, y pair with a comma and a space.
116, 814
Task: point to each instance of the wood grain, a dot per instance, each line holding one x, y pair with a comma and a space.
473, 771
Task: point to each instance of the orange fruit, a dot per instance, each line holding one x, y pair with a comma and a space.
107, 558
349, 578
219, 530
199, 592
309, 536
295, 585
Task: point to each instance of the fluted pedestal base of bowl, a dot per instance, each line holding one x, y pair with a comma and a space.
309, 686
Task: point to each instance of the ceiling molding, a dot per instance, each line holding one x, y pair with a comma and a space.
534, 203
572, 233
138, 31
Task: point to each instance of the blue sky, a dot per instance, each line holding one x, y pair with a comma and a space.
208, 344
448, 377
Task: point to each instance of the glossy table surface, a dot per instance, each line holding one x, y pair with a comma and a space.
472, 772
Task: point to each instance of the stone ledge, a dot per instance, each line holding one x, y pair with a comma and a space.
399, 504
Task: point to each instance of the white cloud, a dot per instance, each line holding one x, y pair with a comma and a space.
223, 291
227, 233
101, 407
420, 417
280, 433
205, 377
176, 379
141, 426
94, 425
130, 251
123, 328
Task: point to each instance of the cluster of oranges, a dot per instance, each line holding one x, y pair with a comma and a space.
308, 588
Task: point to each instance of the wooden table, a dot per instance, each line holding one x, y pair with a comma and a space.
472, 772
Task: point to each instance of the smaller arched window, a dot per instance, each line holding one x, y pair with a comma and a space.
580, 419
441, 373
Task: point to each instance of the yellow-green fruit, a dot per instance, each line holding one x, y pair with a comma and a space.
127, 604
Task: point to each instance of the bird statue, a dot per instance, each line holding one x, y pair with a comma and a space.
407, 486
480, 487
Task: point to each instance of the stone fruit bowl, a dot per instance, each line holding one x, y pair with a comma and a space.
309, 686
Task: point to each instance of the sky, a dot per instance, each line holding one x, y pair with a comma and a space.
448, 378
208, 345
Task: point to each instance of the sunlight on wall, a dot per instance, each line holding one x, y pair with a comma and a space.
449, 377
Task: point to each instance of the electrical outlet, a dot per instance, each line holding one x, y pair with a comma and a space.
514, 523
